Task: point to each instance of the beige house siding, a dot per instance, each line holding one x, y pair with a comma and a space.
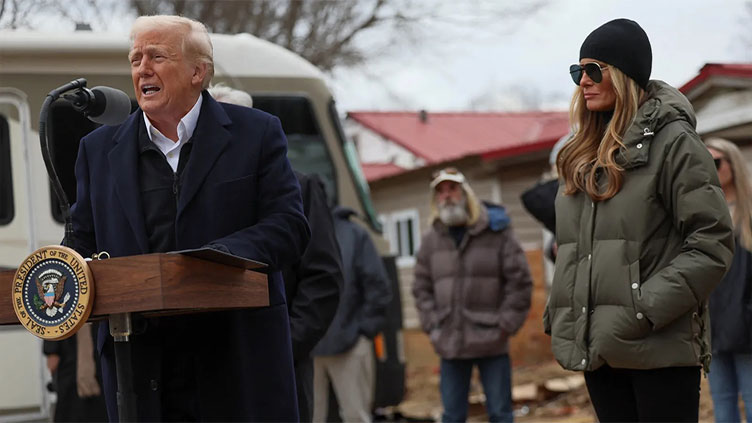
397, 195
747, 152
514, 181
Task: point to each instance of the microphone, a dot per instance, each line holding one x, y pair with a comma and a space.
103, 105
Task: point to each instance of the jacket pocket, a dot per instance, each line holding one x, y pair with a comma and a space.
640, 318
441, 316
483, 318
244, 184
233, 201
748, 324
436, 332
482, 329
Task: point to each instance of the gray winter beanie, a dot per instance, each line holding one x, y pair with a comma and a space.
623, 44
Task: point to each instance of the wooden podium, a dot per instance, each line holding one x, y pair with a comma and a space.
158, 284
153, 285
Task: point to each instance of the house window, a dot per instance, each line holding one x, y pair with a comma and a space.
7, 209
403, 233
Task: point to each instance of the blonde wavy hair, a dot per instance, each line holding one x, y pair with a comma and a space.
742, 212
597, 138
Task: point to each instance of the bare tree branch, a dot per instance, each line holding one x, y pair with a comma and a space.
328, 33
287, 24
325, 32
19, 11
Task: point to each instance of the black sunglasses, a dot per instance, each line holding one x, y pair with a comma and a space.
593, 70
718, 161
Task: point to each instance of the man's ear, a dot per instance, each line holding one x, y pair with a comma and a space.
199, 73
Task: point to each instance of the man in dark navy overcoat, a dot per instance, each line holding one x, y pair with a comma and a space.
186, 172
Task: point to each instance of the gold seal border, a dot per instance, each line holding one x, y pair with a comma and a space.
85, 303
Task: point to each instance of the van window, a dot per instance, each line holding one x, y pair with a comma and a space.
353, 166
7, 209
306, 147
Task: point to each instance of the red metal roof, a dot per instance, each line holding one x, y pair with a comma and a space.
743, 70
374, 171
449, 136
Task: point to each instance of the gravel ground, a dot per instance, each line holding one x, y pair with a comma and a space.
422, 401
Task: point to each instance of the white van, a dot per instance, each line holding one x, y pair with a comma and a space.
32, 64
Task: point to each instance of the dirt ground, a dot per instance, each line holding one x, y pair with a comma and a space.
422, 401
542, 391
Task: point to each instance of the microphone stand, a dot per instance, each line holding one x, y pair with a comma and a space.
120, 323
44, 141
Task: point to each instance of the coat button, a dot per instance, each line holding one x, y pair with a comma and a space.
592, 204
635, 285
639, 316
154, 385
584, 310
584, 361
639, 145
589, 256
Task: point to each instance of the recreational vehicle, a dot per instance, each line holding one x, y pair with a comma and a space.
33, 64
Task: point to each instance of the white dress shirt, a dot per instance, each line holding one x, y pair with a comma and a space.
168, 147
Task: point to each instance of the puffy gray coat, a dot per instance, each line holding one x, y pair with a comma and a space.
633, 273
472, 298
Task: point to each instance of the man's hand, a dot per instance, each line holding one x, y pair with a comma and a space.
53, 360
434, 335
86, 372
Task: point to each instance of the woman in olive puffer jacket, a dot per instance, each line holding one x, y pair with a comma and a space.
643, 234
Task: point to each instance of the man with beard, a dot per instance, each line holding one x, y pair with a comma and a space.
472, 289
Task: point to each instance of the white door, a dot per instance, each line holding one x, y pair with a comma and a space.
24, 200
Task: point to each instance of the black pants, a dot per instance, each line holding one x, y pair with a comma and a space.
670, 394
304, 388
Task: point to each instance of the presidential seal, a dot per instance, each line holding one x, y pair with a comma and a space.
53, 292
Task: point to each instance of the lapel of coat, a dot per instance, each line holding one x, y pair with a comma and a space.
123, 160
209, 139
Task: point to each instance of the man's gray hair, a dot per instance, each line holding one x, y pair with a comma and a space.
225, 94
197, 45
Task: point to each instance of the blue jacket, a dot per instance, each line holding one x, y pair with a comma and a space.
731, 307
366, 293
239, 192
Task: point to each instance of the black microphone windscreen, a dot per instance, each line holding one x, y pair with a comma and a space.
113, 106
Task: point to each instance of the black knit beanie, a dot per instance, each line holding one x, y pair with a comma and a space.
624, 44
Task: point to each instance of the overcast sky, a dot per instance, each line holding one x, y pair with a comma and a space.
519, 65
532, 62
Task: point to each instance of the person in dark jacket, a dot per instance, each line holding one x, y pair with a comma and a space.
187, 172
76, 378
312, 284
345, 355
313, 287
472, 289
540, 201
731, 302
643, 236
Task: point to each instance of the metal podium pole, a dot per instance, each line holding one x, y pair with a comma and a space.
120, 329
